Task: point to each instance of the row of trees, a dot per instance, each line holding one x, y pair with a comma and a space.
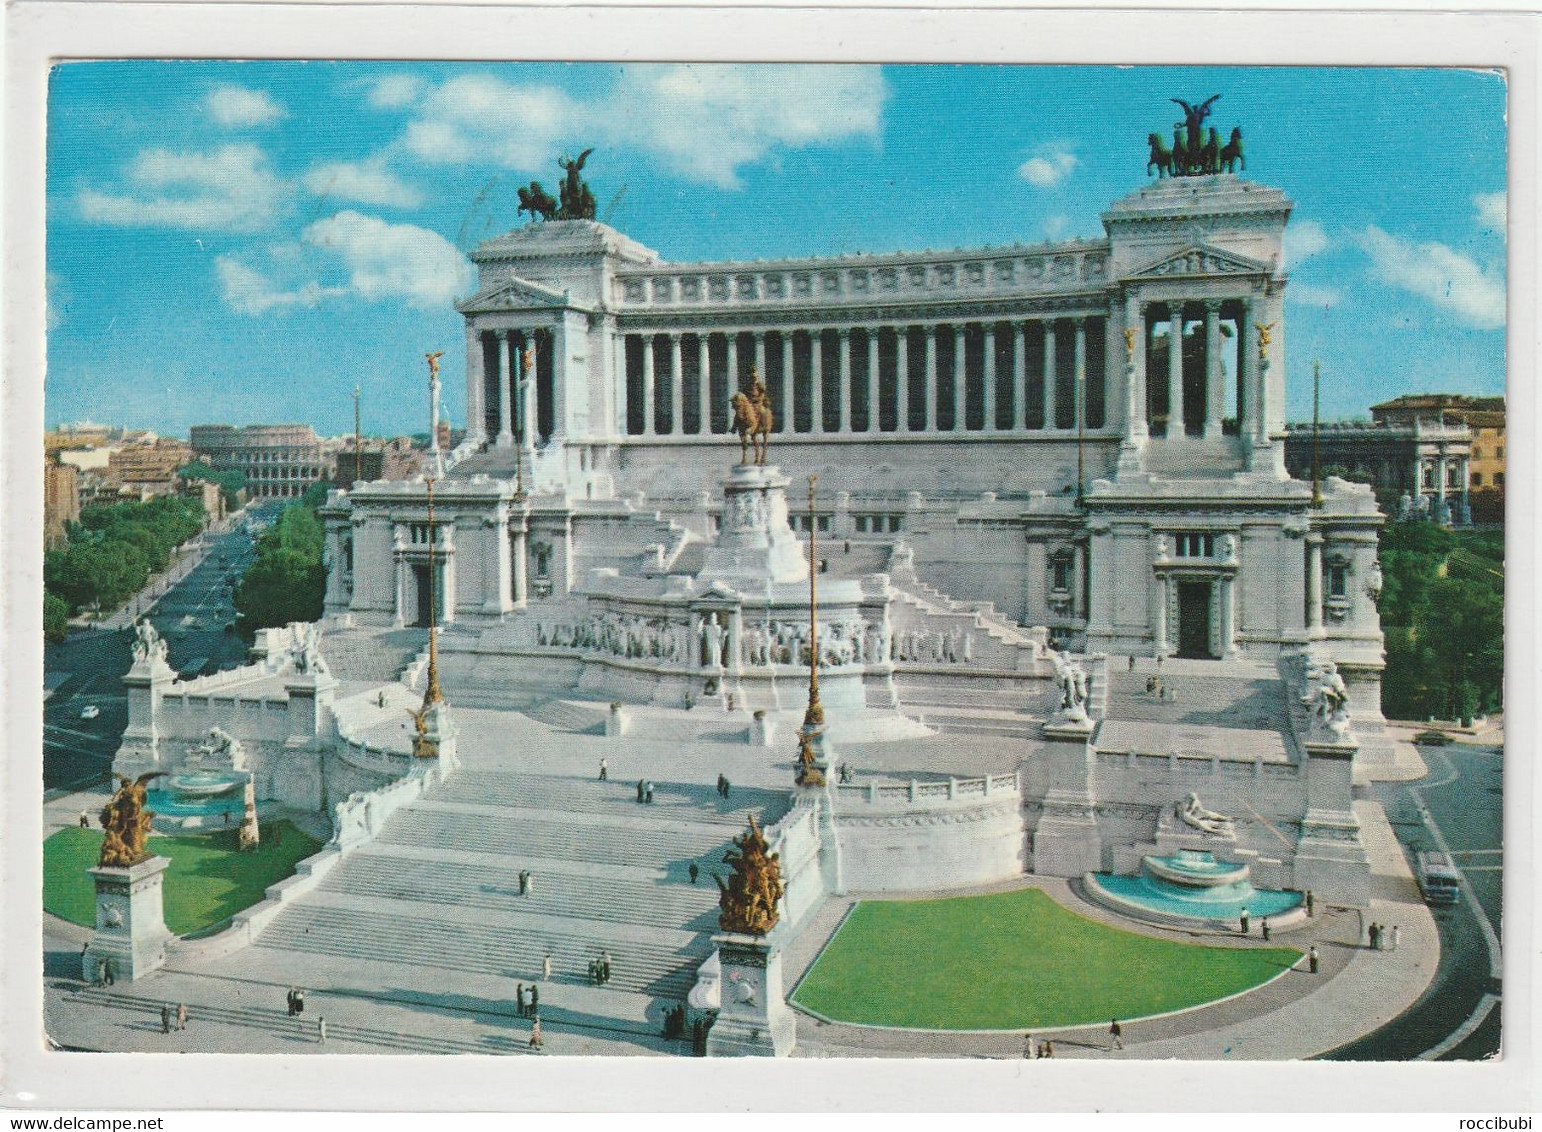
287, 579
1442, 610
231, 483
111, 553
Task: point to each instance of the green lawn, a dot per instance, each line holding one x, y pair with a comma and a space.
1013, 961
209, 880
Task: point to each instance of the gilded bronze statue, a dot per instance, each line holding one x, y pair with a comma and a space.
753, 420
577, 201
749, 897
1196, 151
127, 823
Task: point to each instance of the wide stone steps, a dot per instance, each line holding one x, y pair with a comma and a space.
963, 721
674, 801
494, 887
372, 656
502, 949
1029, 695
530, 834
567, 715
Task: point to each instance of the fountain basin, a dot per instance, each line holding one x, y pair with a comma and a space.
205, 785
197, 801
1192, 889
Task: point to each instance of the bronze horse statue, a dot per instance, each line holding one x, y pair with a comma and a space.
753, 421
1231, 153
1161, 157
537, 202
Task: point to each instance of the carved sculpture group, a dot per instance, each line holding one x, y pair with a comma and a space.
749, 897
1195, 816
148, 644
1327, 696
126, 823
1195, 152
753, 420
577, 200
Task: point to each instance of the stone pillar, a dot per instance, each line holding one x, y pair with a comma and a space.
1067, 841
476, 385
131, 933
703, 384
1314, 584
731, 384
754, 1019
676, 387
931, 379
787, 383
1050, 382
1247, 353
1215, 395
816, 349
649, 386
1175, 371
1228, 596
401, 591
520, 569
1159, 647
1442, 512
559, 381
1019, 378
902, 379
760, 355
988, 368
872, 379
505, 433
1079, 375
529, 402
958, 378
843, 385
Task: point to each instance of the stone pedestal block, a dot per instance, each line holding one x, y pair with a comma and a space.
754, 1020
131, 933
755, 545
1067, 841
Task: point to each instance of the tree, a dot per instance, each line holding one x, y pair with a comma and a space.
231, 482
286, 580
56, 617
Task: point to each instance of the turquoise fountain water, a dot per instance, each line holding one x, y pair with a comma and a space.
1192, 884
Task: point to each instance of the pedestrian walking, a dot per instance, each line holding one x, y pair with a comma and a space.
181, 1015
321, 1029
604, 771
1047, 1049
648, 793
729, 706
695, 872
1132, 662
1264, 926
299, 1001
1311, 959
1310, 904
535, 1000
719, 785
727, 789
546, 967
289, 1001
1373, 936
536, 1041
107, 976
1030, 1047
1397, 936
85, 820
1243, 920
165, 1019
1159, 660
640, 785
524, 882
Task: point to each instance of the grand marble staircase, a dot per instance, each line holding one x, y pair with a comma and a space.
439, 887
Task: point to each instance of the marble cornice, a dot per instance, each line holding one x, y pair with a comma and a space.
833, 317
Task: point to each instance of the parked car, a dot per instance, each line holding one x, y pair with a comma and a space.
90, 711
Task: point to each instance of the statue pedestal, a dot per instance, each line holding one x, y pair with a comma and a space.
755, 545
754, 1020
131, 931
1067, 841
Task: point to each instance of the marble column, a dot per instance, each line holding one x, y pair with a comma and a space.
1314, 584
505, 433
843, 387
1215, 392
401, 591
958, 378
1247, 352
650, 386
902, 379
1160, 643
760, 355
703, 383
1175, 371
676, 387
988, 423
1050, 377
731, 385
785, 424
521, 568
872, 379
559, 381
1136, 426
816, 361
1079, 375
1228, 616
931, 379
1019, 377
476, 385
529, 403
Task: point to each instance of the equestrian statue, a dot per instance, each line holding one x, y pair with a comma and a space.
753, 420
577, 200
1196, 151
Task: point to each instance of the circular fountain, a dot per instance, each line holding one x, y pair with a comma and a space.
198, 800
1190, 888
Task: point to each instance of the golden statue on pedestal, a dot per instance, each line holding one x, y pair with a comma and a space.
127, 824
753, 420
748, 899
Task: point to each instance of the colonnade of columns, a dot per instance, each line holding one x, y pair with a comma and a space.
1189, 389
503, 384
853, 380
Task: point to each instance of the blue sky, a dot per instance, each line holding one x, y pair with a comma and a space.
245, 242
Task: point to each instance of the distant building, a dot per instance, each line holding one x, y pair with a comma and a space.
1417, 465
378, 460
279, 461
1485, 416
148, 470
61, 501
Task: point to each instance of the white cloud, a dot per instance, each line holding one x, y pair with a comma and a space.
1493, 209
241, 106
1309, 296
1056, 226
1049, 167
248, 291
385, 260
1438, 273
364, 182
1303, 240
230, 189
392, 92
706, 122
